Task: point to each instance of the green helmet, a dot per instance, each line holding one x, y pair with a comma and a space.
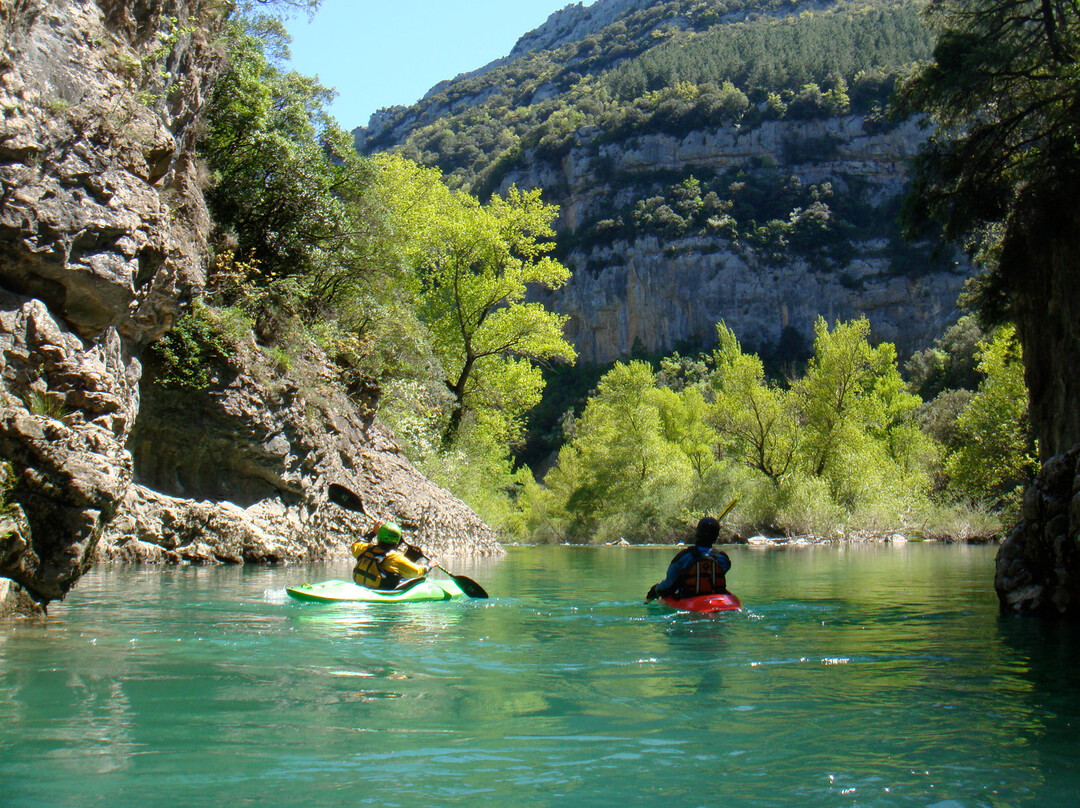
389, 533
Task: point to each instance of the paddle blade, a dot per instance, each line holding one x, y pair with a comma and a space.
727, 510
343, 497
469, 586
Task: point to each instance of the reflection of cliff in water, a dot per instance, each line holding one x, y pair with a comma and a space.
1039, 659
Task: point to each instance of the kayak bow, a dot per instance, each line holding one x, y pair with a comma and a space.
348, 592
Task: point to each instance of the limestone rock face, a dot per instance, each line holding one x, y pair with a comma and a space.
102, 230
652, 294
241, 472
1036, 564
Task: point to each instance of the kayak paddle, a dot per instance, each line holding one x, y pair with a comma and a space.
724, 512
468, 585
350, 501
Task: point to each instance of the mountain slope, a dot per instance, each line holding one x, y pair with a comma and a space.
712, 161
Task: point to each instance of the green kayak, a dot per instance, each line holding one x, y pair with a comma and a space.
346, 591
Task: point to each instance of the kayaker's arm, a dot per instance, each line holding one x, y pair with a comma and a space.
398, 563
675, 569
414, 553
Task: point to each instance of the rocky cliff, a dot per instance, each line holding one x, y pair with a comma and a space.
656, 292
103, 235
575, 22
102, 229
1035, 570
240, 471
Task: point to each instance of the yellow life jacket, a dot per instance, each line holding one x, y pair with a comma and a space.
369, 572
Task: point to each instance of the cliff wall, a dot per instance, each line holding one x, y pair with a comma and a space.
240, 472
657, 292
102, 230
103, 237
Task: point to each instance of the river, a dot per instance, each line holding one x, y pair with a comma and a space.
857, 675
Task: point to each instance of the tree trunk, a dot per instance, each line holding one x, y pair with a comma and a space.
458, 412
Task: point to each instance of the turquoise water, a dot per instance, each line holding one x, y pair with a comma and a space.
857, 676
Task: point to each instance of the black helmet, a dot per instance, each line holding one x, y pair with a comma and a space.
708, 531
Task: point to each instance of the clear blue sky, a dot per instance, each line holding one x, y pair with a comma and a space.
378, 53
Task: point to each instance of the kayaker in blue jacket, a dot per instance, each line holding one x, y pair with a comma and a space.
699, 569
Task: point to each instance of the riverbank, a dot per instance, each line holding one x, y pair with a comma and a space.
891, 538
758, 540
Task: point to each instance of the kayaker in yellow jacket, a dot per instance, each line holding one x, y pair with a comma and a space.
380, 562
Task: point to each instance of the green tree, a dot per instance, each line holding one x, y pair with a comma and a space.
621, 474
683, 418
274, 185
996, 456
858, 427
1003, 167
757, 419
950, 364
473, 283
313, 241
288, 192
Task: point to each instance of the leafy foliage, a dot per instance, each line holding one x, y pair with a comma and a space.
788, 54
472, 296
837, 448
995, 455
757, 418
951, 363
1002, 90
622, 474
193, 354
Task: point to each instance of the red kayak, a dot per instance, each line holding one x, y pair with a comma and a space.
725, 602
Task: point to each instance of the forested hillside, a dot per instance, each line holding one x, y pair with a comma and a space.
669, 67
710, 162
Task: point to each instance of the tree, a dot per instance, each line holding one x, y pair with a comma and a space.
473, 284
995, 457
274, 185
950, 364
757, 418
858, 428
628, 468
1003, 168
683, 419
288, 191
